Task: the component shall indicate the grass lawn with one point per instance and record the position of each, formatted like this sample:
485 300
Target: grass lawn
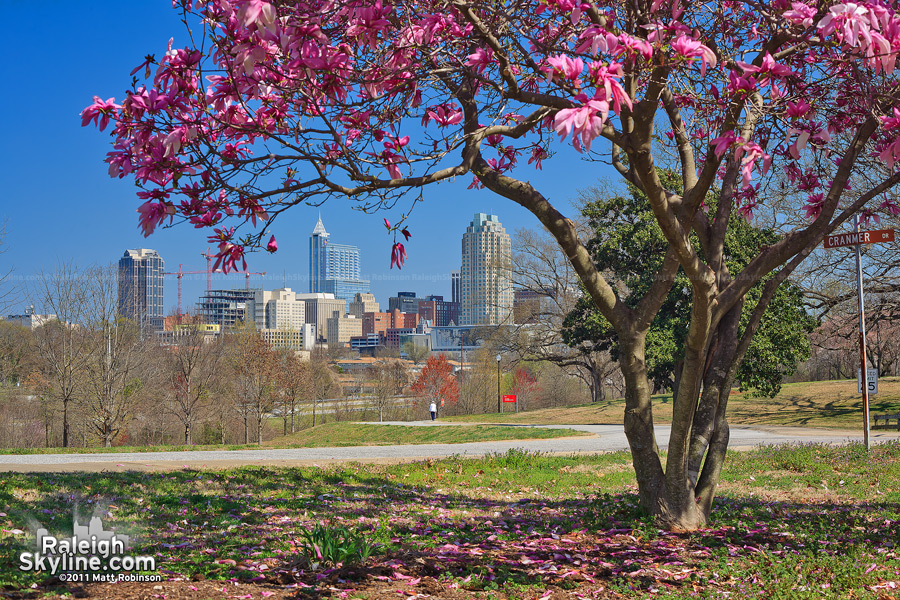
336 434
790 522
827 404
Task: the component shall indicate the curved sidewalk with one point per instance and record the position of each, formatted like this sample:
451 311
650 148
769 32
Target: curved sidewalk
606 438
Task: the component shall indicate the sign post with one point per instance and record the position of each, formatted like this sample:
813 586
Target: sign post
862 333
856 239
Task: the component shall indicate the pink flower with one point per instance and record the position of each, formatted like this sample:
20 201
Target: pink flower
584 122
257 10
398 255
406 233
101 110
850 21
691 50
153 213
272 246
480 59
800 15
798 110
387 224
538 154
443 115
607 77
596 38
723 143
751 152
561 66
768 68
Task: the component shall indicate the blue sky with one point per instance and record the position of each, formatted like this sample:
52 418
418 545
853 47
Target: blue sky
59 203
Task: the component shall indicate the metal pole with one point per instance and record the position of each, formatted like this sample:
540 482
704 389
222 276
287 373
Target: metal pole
862 338
499 398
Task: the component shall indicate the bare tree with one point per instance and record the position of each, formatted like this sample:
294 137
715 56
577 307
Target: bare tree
540 269
111 377
254 371
294 385
191 366
383 375
17 353
63 344
323 381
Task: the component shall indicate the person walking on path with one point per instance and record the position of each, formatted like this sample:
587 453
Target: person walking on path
432 408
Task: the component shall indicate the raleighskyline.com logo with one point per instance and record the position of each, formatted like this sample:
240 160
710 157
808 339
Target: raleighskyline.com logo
91 554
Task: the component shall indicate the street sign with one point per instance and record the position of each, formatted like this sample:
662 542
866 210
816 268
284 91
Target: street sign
871 381
876 236
509 397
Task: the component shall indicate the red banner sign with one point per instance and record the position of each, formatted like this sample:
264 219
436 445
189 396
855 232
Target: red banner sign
509 397
863 237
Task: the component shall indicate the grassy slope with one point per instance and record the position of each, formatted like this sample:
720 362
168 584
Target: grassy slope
827 404
345 434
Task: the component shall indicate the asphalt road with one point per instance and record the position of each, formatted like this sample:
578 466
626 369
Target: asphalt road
606 438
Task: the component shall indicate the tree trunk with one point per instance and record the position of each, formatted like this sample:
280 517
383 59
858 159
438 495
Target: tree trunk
598 392
259 420
187 434
639 422
65 422
246 430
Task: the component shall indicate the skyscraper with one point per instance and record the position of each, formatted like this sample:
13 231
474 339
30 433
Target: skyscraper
486 291
141 285
333 268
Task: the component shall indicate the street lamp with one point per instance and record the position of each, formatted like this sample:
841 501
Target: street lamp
499 399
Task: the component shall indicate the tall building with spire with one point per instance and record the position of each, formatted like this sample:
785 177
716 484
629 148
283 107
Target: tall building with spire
141 285
485 280
333 268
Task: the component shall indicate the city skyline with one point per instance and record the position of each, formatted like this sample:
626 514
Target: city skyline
82 215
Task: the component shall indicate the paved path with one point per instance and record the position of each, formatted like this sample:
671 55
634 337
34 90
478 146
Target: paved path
606 438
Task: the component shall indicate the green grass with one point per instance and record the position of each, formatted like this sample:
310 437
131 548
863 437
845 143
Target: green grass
825 404
806 521
337 434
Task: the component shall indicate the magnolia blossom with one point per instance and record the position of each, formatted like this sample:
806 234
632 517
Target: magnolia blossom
398 255
99 112
584 122
692 50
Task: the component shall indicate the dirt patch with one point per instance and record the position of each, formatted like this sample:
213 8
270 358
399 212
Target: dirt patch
370 589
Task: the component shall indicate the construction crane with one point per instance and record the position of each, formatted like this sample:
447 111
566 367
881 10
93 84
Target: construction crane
247 275
178 274
209 271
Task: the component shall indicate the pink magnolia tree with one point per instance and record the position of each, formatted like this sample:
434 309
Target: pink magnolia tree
771 107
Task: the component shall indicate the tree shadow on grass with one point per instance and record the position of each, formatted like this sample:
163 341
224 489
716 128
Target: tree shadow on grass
247 523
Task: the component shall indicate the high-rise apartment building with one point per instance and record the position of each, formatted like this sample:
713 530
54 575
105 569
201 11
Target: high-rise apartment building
486 291
141 287
333 268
